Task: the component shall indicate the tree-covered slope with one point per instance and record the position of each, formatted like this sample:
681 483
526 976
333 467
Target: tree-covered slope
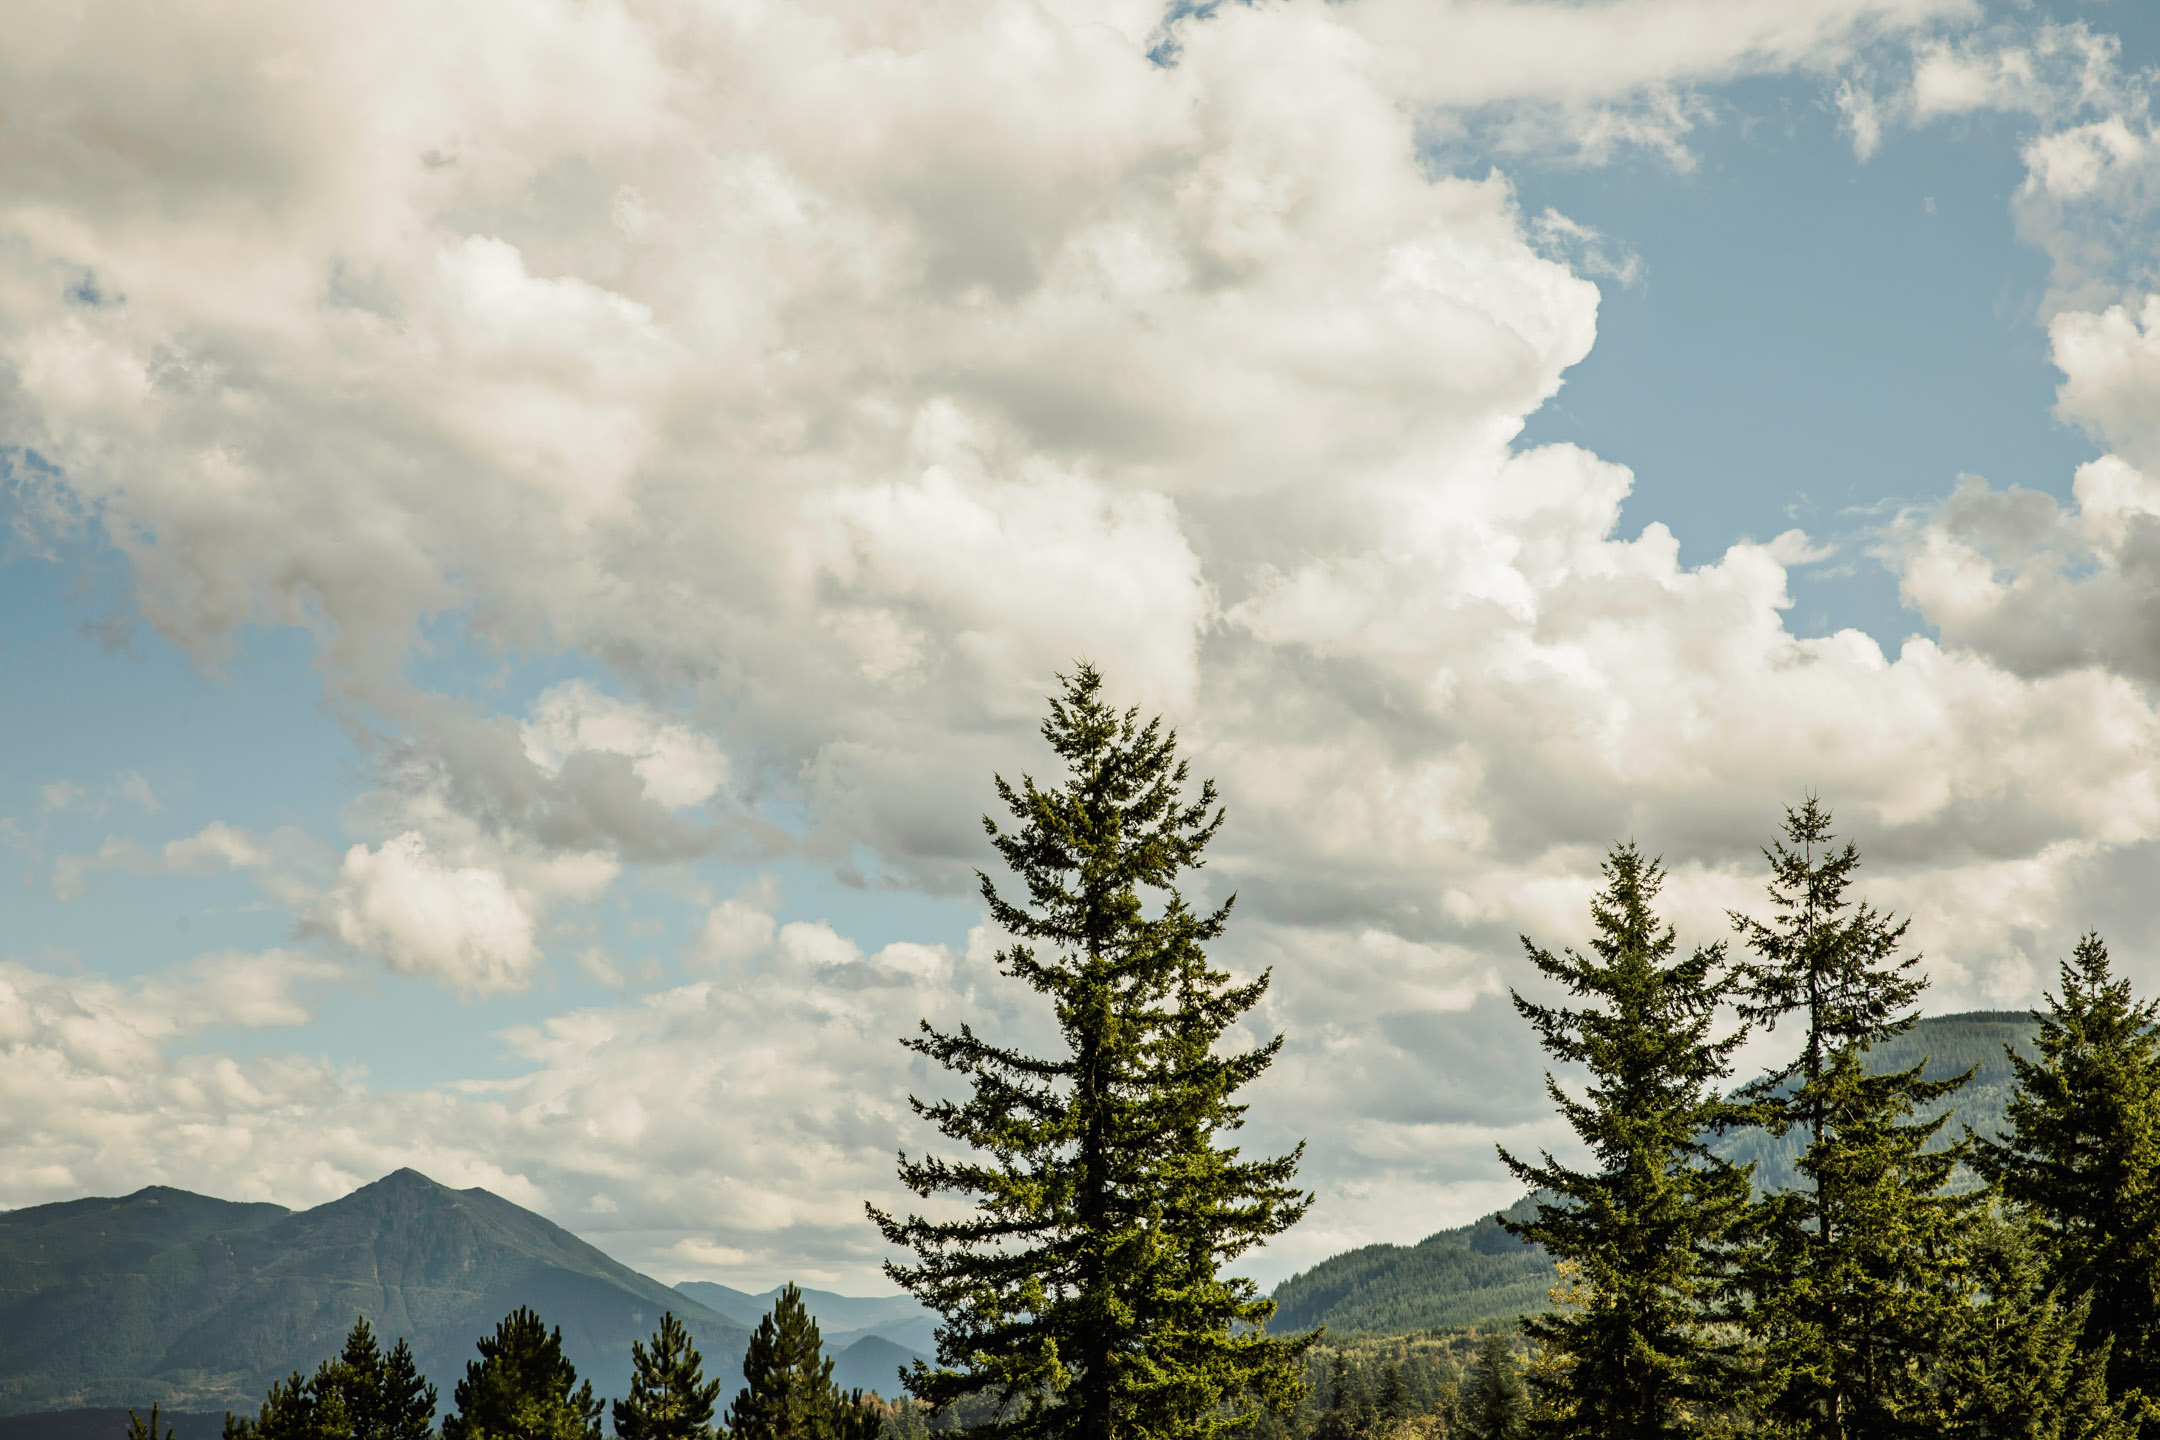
1477 1274
1948 1045
1480 1275
163 1295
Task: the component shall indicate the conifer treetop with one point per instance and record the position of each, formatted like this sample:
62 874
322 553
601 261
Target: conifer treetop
1119 823
670 1398
1830 959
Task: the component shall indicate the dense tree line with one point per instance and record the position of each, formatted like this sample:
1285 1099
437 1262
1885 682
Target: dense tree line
1910 1283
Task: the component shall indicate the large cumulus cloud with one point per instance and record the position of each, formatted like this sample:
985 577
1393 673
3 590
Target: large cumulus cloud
825 377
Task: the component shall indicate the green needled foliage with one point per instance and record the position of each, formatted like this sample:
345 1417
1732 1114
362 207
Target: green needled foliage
788 1389
2083 1159
1495 1404
670 1398
2015 1365
1639 1357
1084 1294
523 1388
364 1394
1857 1277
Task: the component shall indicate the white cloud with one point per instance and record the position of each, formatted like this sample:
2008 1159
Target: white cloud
738 1122
460 925
2041 589
677 765
215 847
735 931
831 377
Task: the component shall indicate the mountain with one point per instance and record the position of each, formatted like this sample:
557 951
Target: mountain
1948 1045
873 1363
200 1303
868 1338
1479 1275
841 1318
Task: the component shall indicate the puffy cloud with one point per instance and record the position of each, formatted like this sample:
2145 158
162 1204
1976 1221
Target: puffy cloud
462 925
735 931
2038 588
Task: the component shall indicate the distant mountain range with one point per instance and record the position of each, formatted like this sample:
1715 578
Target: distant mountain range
200 1304
1480 1275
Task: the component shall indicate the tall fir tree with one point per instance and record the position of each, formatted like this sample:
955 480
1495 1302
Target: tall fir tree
670 1398
2081 1157
1085 1291
523 1388
363 1394
1856 1278
1641 1356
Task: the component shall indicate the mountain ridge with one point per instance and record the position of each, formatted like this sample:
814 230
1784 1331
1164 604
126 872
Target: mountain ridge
200 1303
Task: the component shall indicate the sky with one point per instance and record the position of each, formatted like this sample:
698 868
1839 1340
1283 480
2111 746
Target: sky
527 530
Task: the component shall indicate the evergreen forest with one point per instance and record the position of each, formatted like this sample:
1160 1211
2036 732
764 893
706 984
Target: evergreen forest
1815 1252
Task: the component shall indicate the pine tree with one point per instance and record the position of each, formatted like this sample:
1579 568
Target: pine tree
1640 1358
1494 1403
1857 1277
523 1388
1085 1292
361 1395
2016 1364
788 1391
670 1398
2082 1157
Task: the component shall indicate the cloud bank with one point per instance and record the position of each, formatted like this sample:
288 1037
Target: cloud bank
827 377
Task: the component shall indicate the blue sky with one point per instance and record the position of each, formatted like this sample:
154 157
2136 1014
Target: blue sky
510 610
